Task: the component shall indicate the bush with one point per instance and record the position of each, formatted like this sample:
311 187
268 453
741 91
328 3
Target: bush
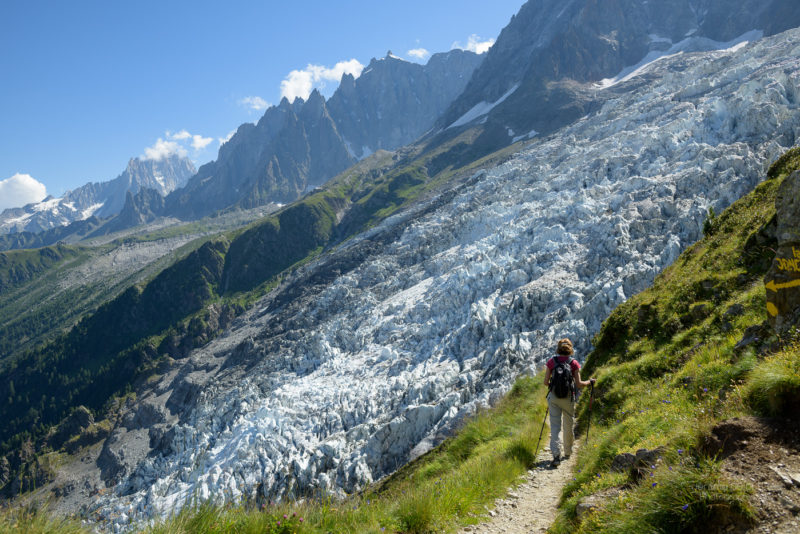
688 499
709 223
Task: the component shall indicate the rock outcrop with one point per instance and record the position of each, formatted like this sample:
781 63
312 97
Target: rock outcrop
394 101
783 279
298 145
544 69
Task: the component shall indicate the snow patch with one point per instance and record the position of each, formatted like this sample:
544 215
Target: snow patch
482 108
349 148
47 205
691 44
529 135
91 210
160 180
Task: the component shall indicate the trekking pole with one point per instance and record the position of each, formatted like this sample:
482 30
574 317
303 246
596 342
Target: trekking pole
542 430
589 423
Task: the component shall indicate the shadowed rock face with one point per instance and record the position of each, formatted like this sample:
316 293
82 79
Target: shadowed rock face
783 278
296 146
293 146
551 43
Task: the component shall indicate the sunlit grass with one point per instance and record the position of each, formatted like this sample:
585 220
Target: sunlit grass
774 386
37 521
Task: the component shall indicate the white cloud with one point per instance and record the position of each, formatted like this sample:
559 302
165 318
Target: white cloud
419 53
475 44
299 83
163 149
223 140
19 190
255 103
199 142
183 134
176 144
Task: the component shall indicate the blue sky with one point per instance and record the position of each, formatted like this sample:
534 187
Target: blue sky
88 85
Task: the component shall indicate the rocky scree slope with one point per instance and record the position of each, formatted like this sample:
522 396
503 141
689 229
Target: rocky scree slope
542 71
367 356
101 200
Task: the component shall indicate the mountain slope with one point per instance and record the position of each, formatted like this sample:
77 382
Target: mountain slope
436 309
101 200
540 74
394 101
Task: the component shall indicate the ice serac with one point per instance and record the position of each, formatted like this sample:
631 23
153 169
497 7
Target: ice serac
554 50
372 353
102 199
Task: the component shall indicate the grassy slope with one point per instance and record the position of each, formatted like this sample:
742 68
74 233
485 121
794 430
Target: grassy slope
668 371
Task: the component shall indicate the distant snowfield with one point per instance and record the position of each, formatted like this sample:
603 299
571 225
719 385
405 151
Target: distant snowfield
476 289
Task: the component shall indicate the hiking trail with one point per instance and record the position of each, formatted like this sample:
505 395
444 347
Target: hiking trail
532 506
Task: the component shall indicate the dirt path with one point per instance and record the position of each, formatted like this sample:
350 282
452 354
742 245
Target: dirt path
531 507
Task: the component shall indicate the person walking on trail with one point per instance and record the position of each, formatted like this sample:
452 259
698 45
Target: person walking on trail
563 378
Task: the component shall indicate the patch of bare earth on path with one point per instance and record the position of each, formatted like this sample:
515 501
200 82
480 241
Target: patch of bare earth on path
532 506
765 455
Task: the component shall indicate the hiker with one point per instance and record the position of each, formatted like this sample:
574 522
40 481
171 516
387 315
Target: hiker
562 378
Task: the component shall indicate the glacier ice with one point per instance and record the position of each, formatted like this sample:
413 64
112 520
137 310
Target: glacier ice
457 296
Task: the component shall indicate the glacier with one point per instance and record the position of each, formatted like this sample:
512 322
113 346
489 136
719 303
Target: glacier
373 353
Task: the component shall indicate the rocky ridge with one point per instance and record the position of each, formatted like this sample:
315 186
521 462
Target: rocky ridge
299 145
545 61
435 311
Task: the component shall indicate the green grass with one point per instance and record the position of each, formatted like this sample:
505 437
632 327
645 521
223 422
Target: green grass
685 498
773 387
37 521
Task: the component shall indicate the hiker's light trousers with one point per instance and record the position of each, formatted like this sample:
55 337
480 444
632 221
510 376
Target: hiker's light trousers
561 410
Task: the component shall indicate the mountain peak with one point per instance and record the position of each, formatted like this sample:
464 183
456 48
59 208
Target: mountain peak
348 82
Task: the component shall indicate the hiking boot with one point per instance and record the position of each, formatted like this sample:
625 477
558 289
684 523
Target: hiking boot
556 461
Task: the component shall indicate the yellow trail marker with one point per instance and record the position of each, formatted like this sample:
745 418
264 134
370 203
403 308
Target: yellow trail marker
772 286
772 309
